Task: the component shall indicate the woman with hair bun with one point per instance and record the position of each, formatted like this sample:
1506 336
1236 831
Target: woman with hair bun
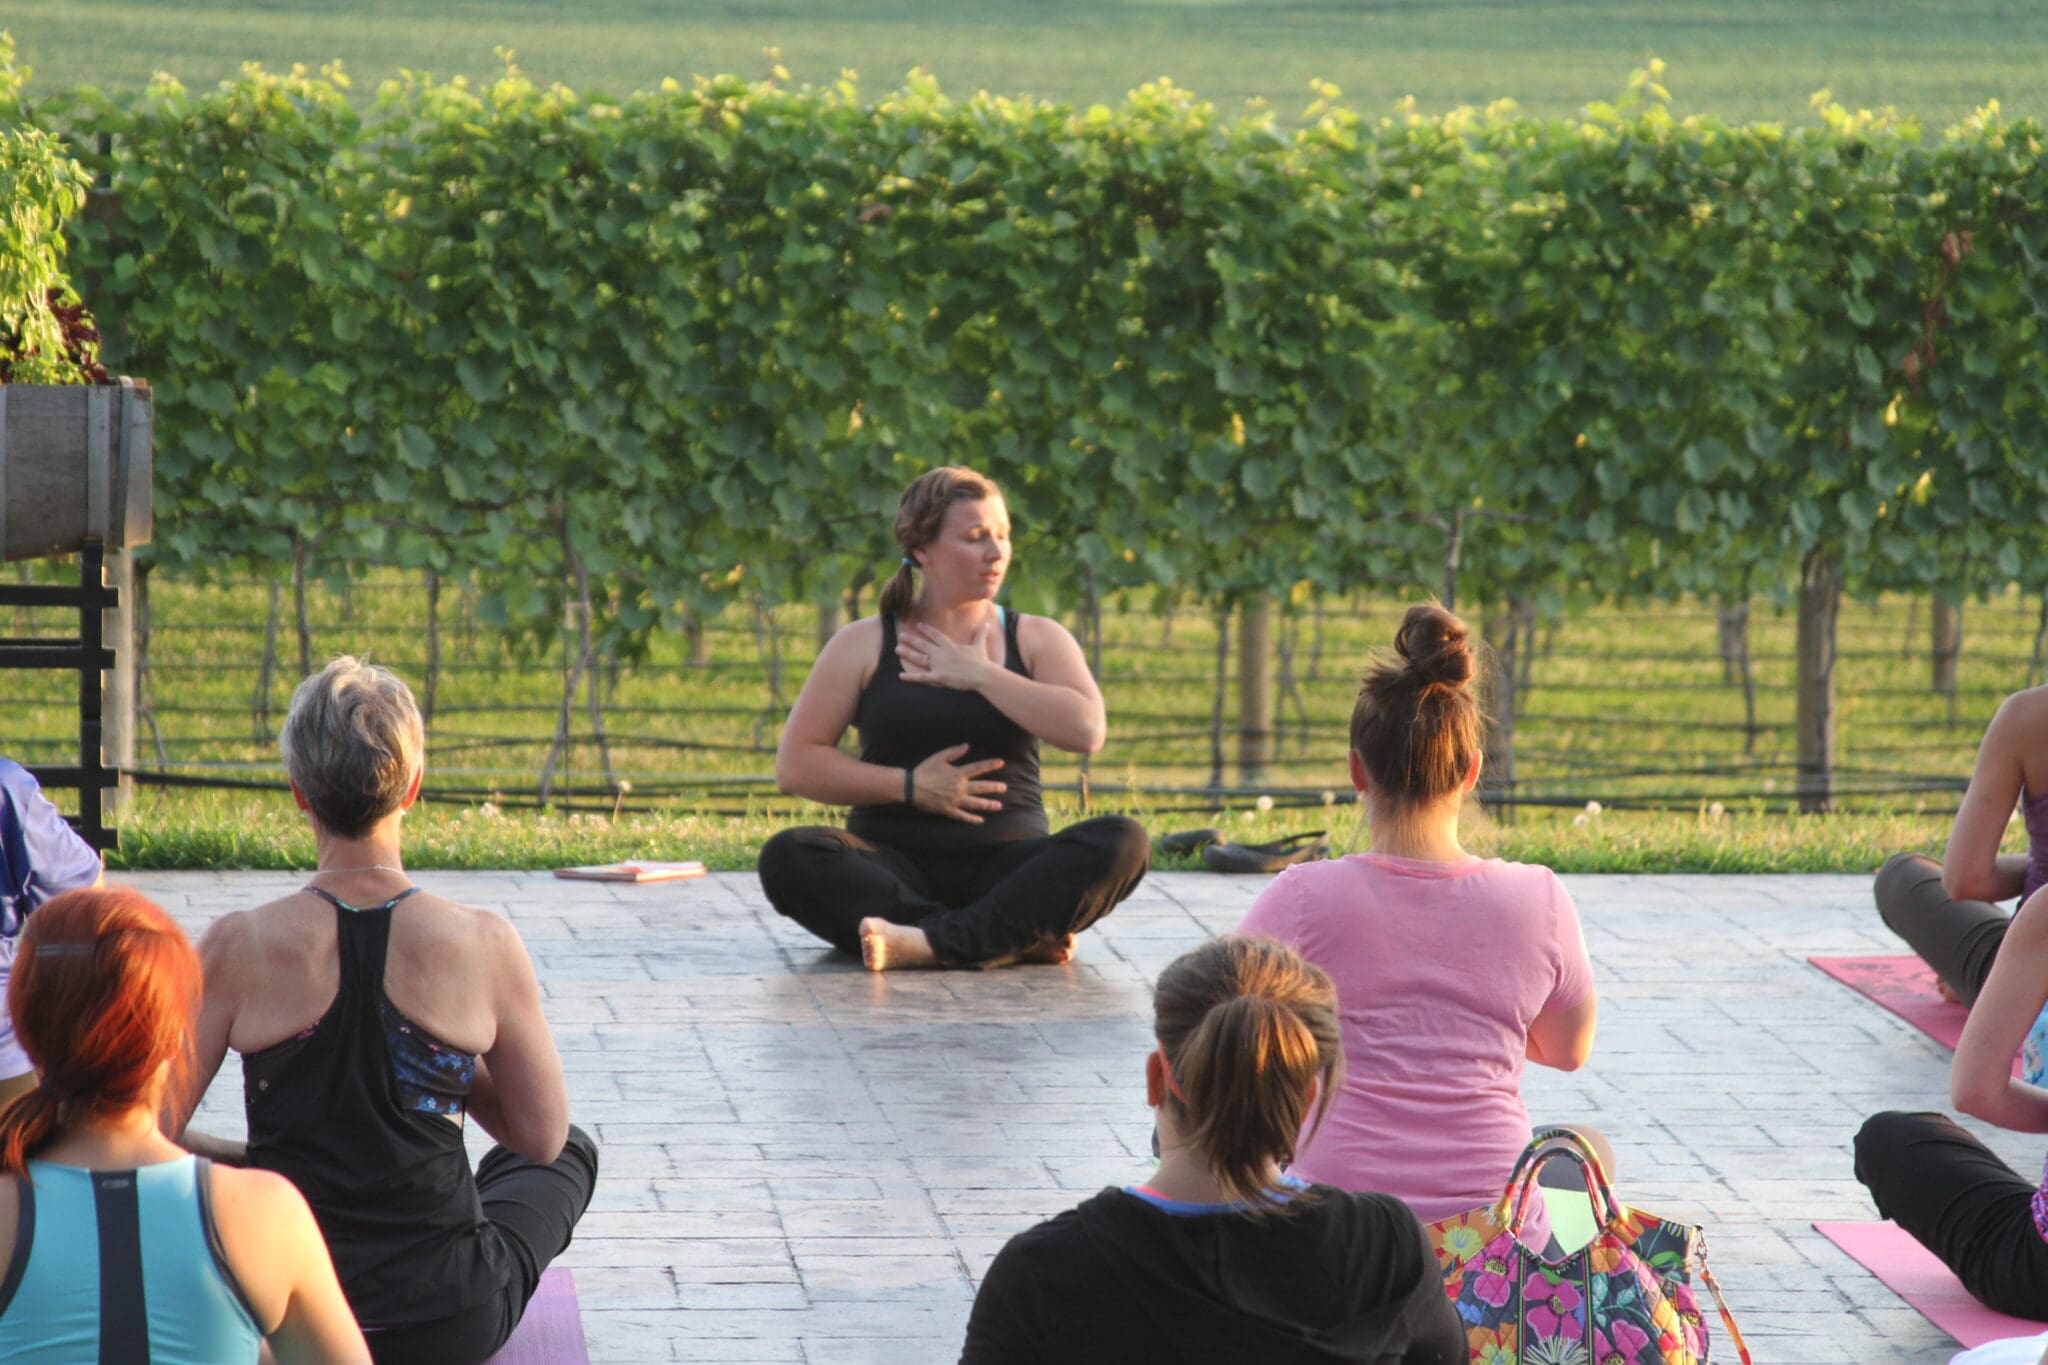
1451 970
116 1243
1221 1256
946 859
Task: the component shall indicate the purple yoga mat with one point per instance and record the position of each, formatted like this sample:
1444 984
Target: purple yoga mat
551 1333
1911 1271
1905 986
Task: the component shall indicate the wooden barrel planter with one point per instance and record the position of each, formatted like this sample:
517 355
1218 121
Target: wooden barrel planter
75 468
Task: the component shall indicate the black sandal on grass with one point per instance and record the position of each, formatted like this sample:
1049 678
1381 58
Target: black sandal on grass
1188 840
1300 848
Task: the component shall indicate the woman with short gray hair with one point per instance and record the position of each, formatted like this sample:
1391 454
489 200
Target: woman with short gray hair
373 1017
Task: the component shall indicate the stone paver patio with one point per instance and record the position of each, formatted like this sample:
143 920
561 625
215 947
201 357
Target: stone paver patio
804 1162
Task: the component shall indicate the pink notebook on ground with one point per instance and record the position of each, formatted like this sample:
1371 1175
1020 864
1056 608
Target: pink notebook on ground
632 872
1911 1271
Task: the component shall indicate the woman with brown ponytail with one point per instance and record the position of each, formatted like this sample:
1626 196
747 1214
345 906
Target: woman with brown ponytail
117 1244
1451 970
946 859
1222 1257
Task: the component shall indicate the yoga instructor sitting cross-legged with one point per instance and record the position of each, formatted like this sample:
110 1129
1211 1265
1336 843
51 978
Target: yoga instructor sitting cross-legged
946 858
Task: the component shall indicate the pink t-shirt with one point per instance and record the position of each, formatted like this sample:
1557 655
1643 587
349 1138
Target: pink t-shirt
1439 969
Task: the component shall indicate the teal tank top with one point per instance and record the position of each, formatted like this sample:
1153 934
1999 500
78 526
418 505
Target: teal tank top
121 1268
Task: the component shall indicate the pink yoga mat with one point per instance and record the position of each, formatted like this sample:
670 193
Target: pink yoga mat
551 1333
1905 986
1910 1270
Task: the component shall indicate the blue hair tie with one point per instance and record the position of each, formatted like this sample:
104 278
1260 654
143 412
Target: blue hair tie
909 563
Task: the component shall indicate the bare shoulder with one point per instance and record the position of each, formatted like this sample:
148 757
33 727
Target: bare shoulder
1041 637
2028 708
226 944
855 646
866 633
472 932
453 922
257 1197
227 935
274 933
1041 629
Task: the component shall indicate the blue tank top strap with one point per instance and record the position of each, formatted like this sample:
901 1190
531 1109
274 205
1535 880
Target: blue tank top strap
24 1237
1013 652
202 1183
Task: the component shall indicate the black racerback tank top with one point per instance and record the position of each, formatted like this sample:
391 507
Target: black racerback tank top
358 1111
902 724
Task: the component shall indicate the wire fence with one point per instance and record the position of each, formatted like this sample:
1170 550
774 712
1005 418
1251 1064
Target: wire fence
1636 708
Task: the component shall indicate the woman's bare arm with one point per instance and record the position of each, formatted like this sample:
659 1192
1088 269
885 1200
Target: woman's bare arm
275 1249
524 1101
808 759
1972 868
221 949
1981 1082
1563 1039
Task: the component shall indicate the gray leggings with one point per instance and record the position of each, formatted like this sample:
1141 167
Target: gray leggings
1958 939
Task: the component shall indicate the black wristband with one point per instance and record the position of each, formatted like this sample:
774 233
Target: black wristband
910 786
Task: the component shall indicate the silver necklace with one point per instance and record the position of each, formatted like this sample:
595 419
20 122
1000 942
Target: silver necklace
373 867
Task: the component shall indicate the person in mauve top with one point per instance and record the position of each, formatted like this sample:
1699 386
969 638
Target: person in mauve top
1925 1172
1452 971
40 856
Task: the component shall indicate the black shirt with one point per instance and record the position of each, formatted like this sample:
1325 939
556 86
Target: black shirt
902 724
1340 1277
359 1112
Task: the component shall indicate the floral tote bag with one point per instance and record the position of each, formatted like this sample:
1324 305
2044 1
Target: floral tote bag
1626 1298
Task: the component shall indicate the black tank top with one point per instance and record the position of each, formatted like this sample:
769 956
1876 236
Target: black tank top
902 724
362 1112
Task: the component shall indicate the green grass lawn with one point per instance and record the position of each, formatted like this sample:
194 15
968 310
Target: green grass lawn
238 830
1741 59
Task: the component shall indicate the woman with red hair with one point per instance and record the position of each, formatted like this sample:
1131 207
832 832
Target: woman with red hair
117 1244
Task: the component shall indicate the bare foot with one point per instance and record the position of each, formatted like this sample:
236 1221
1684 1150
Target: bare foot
1055 952
886 947
1946 993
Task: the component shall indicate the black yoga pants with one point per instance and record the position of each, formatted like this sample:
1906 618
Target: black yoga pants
1960 1202
976 905
533 1209
1958 939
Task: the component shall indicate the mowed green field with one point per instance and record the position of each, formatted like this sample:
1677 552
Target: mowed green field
1625 705
1739 59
